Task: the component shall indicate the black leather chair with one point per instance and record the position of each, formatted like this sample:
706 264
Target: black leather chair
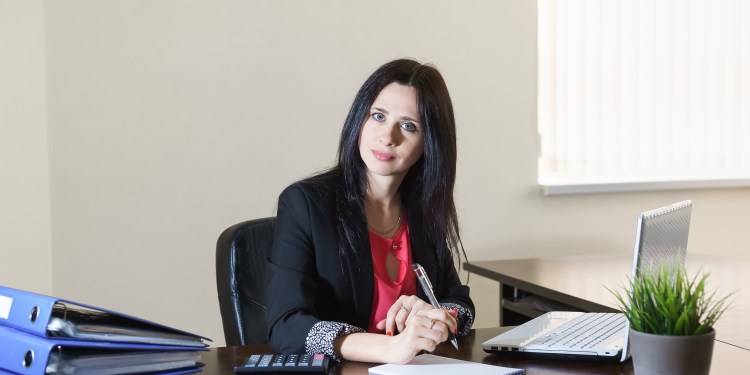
241 254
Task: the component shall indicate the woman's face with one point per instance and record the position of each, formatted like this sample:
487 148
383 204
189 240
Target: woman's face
391 140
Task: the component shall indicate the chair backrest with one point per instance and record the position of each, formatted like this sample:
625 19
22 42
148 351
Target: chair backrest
241 255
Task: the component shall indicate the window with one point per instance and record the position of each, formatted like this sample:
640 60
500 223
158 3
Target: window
646 94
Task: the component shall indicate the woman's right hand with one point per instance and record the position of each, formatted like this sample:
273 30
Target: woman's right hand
423 331
407 307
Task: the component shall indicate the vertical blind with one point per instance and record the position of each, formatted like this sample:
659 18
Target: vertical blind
643 90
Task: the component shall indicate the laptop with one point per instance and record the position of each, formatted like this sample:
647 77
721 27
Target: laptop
661 238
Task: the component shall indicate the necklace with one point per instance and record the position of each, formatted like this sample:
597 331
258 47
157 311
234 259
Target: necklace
398 221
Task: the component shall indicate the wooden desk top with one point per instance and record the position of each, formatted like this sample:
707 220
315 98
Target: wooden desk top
727 359
583 281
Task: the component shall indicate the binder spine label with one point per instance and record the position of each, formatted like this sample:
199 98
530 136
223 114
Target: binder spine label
5 303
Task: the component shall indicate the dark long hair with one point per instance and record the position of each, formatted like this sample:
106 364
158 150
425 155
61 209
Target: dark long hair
430 180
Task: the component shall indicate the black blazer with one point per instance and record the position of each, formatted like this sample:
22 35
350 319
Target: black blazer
308 282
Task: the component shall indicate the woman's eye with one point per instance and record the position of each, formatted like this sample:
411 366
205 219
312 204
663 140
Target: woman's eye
378 116
409 126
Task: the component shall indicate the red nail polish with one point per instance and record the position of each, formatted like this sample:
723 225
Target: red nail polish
455 331
389 334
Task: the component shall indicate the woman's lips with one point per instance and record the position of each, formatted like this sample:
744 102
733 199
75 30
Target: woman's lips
382 156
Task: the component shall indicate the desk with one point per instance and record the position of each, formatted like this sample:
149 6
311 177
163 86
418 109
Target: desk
727 359
578 283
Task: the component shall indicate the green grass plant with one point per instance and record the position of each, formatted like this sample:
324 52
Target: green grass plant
668 302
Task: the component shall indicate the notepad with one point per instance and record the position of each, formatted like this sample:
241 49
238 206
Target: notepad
435 365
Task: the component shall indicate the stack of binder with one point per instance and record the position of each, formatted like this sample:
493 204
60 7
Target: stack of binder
46 335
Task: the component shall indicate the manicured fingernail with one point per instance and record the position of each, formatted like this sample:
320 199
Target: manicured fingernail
453 312
389 333
455 331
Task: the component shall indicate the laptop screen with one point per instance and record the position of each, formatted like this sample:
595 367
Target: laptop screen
662 237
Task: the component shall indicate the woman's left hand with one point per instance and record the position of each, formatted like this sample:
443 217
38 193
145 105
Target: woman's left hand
407 307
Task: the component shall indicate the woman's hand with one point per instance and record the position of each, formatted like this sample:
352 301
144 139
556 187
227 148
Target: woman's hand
424 327
401 310
421 327
406 307
423 331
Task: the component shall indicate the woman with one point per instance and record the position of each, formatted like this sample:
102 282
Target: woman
340 270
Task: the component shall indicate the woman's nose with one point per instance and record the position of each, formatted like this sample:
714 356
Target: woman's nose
389 135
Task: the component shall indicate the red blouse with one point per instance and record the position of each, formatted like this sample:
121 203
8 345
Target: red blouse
386 290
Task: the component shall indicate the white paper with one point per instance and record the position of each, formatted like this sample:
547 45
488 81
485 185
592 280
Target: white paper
435 365
5 303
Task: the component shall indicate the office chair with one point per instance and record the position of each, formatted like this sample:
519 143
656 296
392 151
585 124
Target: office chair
242 251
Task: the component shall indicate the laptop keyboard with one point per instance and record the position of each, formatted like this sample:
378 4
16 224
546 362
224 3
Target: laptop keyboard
585 331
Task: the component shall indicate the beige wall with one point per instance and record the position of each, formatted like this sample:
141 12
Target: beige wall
171 120
25 250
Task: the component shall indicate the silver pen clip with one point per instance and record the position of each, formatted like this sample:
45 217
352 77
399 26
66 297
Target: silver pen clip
421 275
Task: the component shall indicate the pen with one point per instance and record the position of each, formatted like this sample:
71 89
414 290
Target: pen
424 281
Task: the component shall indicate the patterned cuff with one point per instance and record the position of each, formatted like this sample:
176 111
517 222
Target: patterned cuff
465 318
323 333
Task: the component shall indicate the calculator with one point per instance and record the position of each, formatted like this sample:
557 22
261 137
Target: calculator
286 363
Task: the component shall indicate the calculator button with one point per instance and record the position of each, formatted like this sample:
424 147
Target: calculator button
291 360
265 360
317 360
304 360
253 360
279 360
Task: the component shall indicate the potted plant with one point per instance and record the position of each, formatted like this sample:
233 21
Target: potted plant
671 319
